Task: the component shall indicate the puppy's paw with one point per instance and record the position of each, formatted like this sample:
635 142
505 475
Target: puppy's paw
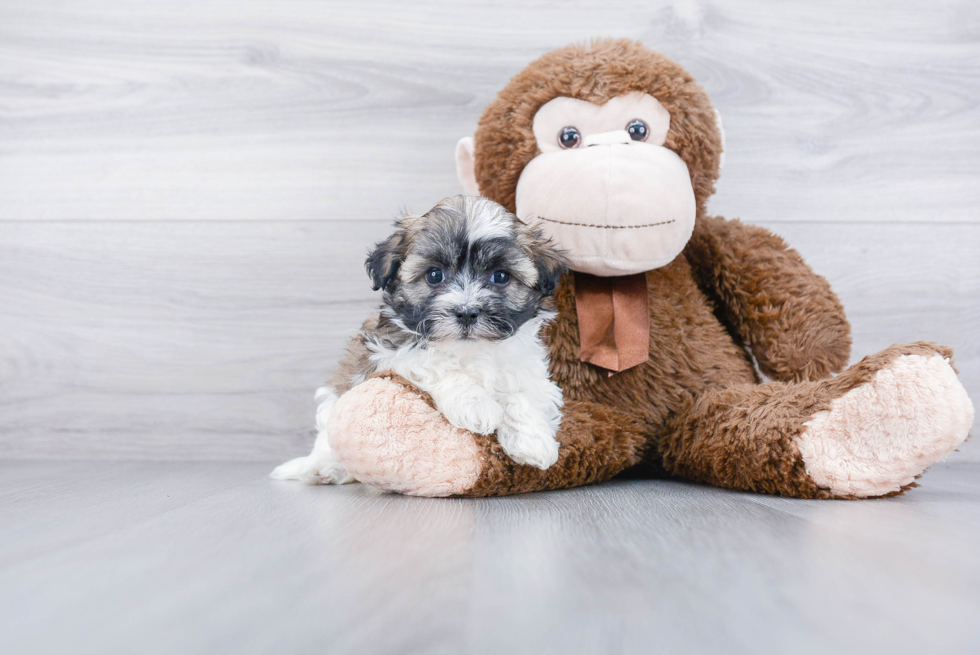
534 445
476 412
326 471
313 469
291 470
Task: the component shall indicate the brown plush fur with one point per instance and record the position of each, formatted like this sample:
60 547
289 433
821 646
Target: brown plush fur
743 437
696 405
696 408
597 442
789 317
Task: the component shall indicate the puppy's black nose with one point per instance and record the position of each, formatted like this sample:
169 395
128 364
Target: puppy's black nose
467 315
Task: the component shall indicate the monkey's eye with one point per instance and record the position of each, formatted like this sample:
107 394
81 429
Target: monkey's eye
434 276
500 278
638 130
569 137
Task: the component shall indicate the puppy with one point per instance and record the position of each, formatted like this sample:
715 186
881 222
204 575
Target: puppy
465 291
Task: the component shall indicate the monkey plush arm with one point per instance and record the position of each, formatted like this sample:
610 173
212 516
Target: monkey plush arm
787 314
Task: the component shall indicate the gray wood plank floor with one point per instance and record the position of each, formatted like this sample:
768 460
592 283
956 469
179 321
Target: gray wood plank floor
158 557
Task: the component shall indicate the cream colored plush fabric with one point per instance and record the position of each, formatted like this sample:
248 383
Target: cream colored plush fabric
592 120
594 202
878 437
617 206
388 437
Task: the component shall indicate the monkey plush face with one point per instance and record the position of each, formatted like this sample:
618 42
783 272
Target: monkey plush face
604 186
610 148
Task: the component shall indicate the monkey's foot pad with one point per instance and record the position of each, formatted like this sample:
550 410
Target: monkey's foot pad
388 436
878 437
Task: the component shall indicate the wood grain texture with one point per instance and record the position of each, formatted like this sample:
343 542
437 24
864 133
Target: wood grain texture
205 340
236 563
240 109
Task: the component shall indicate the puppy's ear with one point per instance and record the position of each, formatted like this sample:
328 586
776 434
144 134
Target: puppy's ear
551 266
383 262
547 258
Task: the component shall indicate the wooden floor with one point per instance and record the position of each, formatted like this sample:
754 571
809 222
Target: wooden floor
178 557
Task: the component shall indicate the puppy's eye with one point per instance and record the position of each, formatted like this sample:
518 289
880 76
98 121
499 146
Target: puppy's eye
434 276
638 130
569 137
500 278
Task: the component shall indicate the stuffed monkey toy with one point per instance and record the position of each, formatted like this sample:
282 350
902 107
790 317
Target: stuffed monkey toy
667 315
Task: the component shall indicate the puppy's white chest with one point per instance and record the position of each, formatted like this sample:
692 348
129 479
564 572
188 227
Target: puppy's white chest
489 388
431 369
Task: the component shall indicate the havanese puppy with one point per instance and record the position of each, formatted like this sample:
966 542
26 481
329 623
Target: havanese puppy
465 292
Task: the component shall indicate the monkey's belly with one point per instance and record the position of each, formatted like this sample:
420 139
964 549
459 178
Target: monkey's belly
690 351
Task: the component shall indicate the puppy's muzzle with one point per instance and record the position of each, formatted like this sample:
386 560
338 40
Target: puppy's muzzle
466 316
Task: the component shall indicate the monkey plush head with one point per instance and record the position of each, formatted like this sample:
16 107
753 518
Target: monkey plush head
611 148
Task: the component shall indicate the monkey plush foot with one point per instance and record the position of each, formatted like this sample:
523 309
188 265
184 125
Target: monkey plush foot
869 431
879 436
388 435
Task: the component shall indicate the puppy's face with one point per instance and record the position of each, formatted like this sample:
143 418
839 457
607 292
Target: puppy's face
467 269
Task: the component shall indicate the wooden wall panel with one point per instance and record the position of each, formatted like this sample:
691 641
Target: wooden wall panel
205 340
187 189
243 109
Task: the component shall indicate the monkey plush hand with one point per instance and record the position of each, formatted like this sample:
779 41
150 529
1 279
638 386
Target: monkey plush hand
613 150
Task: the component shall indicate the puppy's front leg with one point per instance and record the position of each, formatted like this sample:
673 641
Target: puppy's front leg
466 404
320 466
531 421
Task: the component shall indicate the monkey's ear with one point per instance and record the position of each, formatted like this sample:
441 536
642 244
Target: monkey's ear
466 166
551 266
383 262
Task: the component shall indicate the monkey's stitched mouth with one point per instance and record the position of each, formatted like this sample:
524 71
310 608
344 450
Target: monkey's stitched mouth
607 227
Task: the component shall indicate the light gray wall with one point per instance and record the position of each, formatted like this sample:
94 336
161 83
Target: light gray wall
187 189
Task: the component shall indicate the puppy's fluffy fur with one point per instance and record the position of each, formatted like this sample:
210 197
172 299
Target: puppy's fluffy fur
466 289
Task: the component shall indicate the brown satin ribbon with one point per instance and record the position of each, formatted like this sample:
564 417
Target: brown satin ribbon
613 320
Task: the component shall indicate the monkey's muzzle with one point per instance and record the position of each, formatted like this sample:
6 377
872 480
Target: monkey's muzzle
615 208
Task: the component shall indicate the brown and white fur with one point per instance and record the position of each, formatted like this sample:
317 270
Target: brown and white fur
466 290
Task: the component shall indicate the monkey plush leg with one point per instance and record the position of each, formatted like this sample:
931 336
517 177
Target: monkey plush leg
389 434
870 431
